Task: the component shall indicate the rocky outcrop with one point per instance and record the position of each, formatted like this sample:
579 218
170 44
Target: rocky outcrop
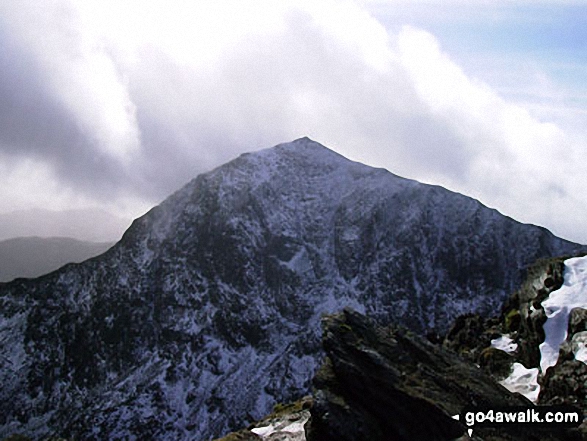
390 384
544 277
565 383
522 318
577 321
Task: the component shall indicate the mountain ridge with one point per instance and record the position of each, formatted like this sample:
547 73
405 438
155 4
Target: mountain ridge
207 311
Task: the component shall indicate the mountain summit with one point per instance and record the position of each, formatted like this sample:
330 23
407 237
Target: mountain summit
207 311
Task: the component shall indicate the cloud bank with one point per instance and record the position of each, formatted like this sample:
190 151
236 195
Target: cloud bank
117 105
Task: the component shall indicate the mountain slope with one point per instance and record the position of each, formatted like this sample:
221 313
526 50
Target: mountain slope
207 311
35 256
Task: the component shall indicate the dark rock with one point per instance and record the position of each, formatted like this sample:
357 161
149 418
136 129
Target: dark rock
496 362
577 321
565 383
390 384
523 314
469 335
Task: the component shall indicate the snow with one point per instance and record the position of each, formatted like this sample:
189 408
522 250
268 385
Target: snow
523 381
504 343
286 425
558 306
579 346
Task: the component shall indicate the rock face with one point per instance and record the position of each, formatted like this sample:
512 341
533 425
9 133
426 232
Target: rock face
207 311
566 382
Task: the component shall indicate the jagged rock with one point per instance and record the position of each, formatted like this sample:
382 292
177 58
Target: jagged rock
522 316
577 321
543 277
565 383
371 374
470 334
390 384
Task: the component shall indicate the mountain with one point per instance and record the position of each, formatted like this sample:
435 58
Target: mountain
91 225
207 311
35 256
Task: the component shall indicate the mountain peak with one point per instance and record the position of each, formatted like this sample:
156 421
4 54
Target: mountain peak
304 141
303 148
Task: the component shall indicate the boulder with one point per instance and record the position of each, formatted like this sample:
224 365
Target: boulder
565 383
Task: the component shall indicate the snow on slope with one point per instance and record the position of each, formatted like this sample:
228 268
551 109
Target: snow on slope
504 343
558 306
523 381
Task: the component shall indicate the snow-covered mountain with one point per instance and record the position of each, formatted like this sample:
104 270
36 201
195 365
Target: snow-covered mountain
207 311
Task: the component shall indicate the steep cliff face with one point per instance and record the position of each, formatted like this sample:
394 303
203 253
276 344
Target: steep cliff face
207 311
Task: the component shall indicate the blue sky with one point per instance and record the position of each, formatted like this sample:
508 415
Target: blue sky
499 42
114 105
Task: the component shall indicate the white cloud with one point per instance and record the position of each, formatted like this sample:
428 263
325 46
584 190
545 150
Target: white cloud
525 167
78 72
168 90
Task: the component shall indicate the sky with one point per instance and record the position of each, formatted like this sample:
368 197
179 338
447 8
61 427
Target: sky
114 105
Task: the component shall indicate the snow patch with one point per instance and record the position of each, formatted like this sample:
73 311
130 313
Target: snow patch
504 343
523 381
558 306
288 425
579 346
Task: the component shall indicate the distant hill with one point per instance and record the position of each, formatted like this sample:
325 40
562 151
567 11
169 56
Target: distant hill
86 225
35 256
